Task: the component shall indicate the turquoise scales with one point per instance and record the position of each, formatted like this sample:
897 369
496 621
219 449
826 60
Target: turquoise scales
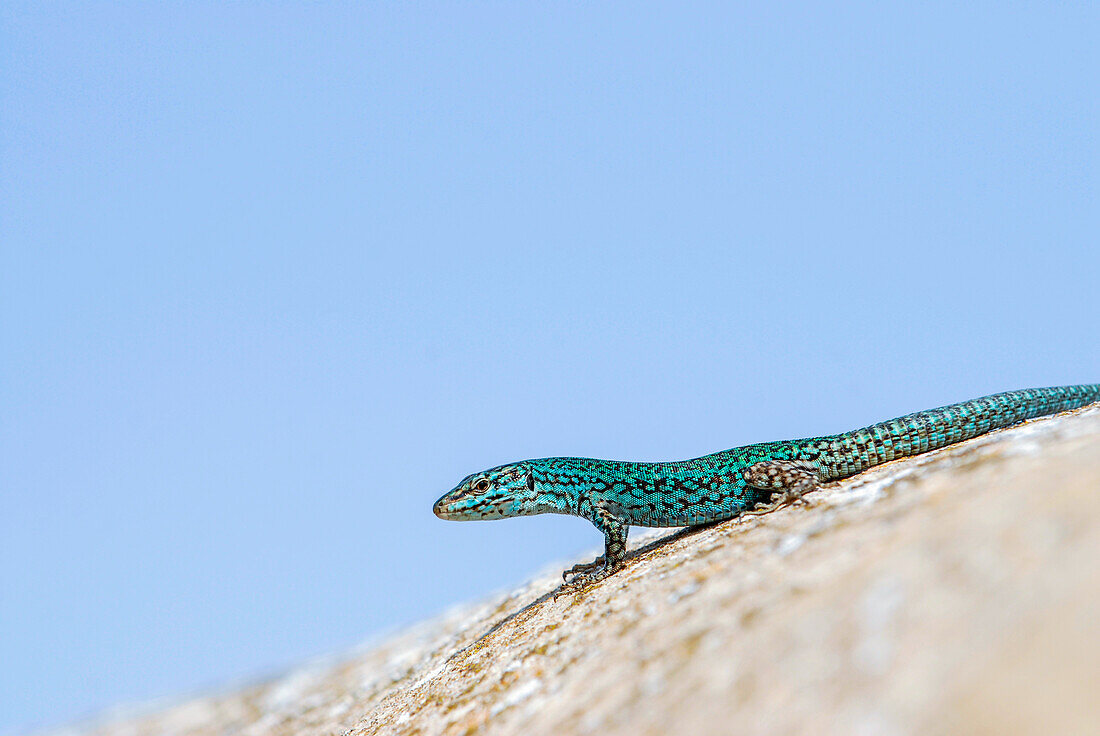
614 495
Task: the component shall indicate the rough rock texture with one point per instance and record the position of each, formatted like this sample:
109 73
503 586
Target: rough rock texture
958 592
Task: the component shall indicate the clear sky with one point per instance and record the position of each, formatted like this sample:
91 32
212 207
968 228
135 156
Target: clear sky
274 278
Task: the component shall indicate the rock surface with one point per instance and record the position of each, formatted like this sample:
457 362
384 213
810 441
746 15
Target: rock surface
957 592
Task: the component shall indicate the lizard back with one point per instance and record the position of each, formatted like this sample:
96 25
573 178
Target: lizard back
713 487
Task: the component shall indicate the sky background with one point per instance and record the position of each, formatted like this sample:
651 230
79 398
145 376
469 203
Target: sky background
274 278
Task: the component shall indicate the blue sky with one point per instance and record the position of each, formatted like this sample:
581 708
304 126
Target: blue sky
272 279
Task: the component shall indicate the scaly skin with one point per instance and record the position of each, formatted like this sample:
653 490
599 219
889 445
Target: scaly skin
615 495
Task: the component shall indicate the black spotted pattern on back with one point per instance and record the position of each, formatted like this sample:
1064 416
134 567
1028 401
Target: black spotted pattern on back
713 487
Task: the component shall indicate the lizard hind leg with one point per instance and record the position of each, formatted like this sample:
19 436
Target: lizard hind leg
789 479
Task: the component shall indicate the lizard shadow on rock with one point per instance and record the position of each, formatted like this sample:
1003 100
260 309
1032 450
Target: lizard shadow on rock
645 549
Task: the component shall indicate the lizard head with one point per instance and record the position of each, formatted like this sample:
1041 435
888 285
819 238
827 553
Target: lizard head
496 493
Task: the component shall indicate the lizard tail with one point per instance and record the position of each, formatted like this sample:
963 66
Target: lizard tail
928 430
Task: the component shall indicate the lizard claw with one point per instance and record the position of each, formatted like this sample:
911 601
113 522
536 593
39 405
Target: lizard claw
583 569
581 579
777 501
762 508
587 572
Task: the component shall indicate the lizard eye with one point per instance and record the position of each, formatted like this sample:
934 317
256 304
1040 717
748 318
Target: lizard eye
482 484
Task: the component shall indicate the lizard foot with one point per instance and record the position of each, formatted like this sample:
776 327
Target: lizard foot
586 572
583 568
582 579
777 501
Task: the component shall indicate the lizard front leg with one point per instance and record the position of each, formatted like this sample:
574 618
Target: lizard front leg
614 533
791 479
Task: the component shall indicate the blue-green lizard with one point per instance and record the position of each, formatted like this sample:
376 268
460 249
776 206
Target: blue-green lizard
615 495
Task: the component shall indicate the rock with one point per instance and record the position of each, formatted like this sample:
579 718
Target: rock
957 592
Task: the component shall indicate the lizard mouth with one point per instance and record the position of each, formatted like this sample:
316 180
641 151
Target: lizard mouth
445 508
449 508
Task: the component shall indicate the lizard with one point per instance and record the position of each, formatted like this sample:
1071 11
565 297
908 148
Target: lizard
749 480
